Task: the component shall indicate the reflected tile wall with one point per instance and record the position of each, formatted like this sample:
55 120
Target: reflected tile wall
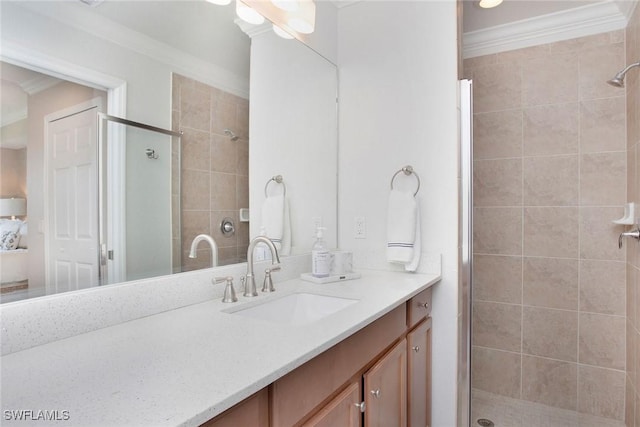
632 266
551 172
214 169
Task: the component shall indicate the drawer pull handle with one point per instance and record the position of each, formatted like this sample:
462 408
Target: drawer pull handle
424 305
361 406
375 393
415 348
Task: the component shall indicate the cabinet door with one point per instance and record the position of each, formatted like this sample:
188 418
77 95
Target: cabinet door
419 375
254 412
385 389
342 411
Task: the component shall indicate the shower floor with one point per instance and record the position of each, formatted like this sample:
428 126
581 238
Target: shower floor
507 412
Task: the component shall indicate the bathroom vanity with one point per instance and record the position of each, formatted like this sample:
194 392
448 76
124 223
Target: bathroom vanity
211 364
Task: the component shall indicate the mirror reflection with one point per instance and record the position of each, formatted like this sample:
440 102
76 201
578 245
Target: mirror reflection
140 61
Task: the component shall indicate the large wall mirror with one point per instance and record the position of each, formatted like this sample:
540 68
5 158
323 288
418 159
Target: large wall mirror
249 105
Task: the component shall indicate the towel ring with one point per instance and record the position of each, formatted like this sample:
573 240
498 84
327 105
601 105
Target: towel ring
408 170
277 179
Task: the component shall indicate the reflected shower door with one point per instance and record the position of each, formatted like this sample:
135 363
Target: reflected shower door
140 200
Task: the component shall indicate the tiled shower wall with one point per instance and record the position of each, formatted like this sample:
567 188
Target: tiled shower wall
632 416
550 176
215 169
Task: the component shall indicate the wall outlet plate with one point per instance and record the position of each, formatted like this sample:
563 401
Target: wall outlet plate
360 227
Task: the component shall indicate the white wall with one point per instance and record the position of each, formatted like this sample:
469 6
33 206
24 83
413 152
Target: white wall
295 135
398 92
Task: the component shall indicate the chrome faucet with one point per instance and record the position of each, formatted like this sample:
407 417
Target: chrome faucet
250 284
214 248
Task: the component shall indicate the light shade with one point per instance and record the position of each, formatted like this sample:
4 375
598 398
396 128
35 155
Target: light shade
13 207
247 14
288 5
303 20
220 2
488 4
282 33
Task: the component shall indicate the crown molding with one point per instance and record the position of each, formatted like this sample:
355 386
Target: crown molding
181 62
572 23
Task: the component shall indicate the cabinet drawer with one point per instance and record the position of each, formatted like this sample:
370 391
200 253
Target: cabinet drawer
418 307
298 393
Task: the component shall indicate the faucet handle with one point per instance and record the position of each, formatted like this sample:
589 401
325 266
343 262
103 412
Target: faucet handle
229 292
217 280
267 285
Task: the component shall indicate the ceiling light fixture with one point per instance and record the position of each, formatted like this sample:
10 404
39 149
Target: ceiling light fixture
282 32
303 20
488 4
248 14
288 5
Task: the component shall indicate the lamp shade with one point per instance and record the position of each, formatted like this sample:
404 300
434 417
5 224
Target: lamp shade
13 207
303 19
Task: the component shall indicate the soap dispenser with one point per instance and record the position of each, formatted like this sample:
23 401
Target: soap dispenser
320 256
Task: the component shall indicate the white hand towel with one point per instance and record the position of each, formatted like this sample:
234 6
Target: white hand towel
403 230
286 230
273 219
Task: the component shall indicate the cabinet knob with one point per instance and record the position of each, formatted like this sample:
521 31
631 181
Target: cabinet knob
375 393
361 406
424 305
415 348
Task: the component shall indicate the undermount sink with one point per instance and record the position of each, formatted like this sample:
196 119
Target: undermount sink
296 308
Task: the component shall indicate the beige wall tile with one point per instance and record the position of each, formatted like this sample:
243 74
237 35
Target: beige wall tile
497 182
517 56
497 278
629 405
196 150
636 341
224 154
480 61
551 129
195 107
551 232
598 236
632 177
196 187
550 382
223 191
497 325
242 167
194 223
602 287
497 231
550 333
496 88
581 43
595 68
601 341
242 184
224 115
633 299
603 179
497 134
496 371
551 181
601 392
550 79
630 350
551 283
602 125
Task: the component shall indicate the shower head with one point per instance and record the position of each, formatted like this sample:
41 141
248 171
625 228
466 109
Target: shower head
618 79
231 135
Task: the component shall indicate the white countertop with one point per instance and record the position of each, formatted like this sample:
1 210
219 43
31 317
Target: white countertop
185 366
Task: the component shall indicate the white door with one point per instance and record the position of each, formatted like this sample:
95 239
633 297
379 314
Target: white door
72 205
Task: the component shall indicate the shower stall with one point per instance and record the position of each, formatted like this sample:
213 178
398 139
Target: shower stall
553 328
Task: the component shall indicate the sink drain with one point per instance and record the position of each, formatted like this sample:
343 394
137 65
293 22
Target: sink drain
483 422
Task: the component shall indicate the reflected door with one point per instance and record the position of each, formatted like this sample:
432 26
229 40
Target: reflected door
72 248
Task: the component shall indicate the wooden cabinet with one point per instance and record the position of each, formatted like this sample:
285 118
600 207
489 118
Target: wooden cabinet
343 410
378 377
385 390
419 375
253 411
